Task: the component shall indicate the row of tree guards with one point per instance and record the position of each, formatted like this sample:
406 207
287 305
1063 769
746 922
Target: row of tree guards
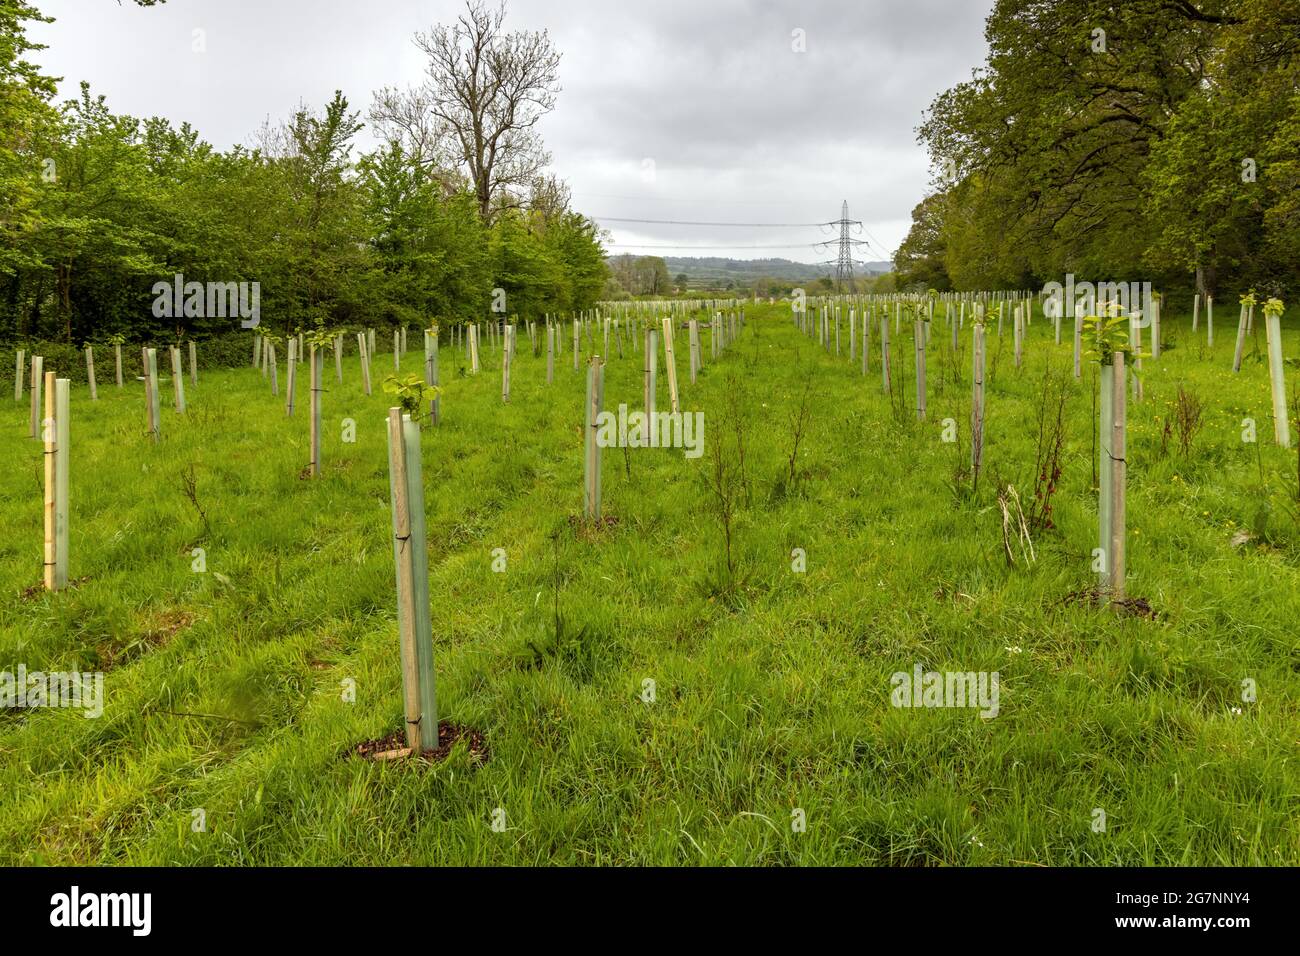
634 328
406 487
877 311
631 332
149 371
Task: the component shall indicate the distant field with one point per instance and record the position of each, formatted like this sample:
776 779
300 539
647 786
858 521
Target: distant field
224 688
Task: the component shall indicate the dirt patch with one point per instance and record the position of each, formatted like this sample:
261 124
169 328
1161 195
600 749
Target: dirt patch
158 629
393 747
592 529
1096 598
37 589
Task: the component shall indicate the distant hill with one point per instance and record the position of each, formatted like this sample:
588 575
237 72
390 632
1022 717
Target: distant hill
698 270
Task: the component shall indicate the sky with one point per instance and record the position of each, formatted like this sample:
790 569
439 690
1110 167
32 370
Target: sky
742 112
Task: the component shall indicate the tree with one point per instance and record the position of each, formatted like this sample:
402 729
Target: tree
919 260
322 214
1098 139
484 93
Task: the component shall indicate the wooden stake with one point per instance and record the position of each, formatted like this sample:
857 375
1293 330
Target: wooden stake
21 366
670 362
194 363
117 356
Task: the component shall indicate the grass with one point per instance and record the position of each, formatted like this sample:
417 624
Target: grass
224 688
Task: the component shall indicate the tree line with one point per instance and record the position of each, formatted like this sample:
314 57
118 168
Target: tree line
452 215
1153 139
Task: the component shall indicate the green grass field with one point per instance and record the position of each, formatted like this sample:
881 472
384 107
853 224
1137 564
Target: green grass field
225 688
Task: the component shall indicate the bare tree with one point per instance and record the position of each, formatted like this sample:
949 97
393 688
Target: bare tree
550 197
484 93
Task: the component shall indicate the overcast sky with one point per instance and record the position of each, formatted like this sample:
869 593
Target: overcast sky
697 110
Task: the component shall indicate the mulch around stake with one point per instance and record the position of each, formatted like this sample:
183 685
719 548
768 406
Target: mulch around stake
1095 597
589 529
393 747
37 589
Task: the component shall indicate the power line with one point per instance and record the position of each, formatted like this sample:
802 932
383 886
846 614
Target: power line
643 245
711 201
745 225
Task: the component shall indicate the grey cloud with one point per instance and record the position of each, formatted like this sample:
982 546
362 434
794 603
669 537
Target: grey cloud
740 127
